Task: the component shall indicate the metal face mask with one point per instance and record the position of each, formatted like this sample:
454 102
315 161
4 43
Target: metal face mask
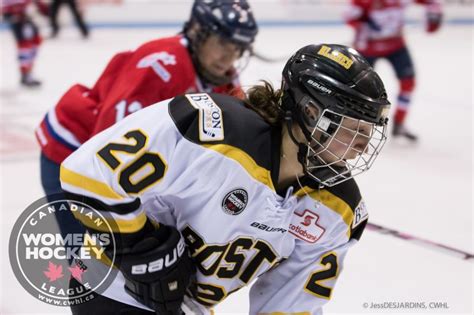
340 147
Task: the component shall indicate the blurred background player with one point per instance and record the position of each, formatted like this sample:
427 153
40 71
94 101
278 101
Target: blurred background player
378 28
76 12
200 59
26 33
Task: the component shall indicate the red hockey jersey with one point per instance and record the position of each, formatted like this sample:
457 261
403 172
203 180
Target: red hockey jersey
379 24
18 7
132 80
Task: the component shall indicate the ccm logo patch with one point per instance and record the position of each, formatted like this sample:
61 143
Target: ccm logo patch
360 214
235 201
305 226
211 126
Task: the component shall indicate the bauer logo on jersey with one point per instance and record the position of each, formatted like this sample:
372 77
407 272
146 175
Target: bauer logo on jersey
360 214
305 226
235 201
211 126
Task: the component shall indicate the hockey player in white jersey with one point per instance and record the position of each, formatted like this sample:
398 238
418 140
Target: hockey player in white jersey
261 189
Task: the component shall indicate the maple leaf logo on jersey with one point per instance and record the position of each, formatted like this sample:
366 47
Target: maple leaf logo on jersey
54 272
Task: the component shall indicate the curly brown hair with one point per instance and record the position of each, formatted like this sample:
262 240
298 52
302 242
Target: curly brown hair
265 100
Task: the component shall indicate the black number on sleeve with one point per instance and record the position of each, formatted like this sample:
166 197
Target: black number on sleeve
148 159
314 285
142 172
107 152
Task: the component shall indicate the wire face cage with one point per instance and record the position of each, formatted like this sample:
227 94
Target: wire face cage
342 147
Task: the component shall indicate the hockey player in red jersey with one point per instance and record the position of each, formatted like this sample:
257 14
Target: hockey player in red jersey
378 28
200 59
27 36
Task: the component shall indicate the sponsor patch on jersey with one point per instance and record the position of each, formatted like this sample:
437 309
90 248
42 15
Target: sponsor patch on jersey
235 201
211 125
360 214
336 56
305 226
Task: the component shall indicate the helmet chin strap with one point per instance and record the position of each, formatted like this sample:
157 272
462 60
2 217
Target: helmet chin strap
289 104
302 148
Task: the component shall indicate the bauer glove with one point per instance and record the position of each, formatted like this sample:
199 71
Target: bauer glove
158 270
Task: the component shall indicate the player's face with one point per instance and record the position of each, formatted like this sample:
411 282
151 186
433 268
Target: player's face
218 55
350 140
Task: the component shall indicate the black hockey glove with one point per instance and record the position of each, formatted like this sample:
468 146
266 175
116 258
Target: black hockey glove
158 270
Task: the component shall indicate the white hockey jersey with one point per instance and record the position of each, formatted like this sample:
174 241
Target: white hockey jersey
209 166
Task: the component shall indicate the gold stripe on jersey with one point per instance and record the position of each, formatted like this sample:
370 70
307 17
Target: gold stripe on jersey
117 226
332 201
83 182
259 173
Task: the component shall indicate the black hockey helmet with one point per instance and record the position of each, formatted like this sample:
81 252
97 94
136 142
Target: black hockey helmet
232 20
323 86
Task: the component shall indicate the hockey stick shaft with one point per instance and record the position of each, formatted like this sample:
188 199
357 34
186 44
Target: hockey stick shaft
420 241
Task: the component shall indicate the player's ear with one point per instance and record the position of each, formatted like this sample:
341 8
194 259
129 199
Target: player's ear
311 110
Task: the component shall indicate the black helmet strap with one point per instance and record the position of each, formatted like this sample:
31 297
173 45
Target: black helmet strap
302 148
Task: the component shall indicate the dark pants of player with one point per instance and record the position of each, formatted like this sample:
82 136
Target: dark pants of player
27 39
19 24
54 9
401 62
52 187
105 306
